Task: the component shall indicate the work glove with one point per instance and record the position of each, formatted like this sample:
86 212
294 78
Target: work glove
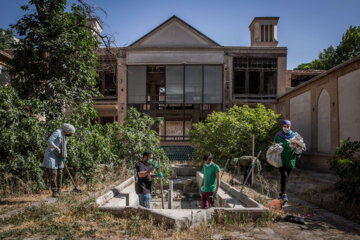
215 196
152 167
63 160
200 193
159 174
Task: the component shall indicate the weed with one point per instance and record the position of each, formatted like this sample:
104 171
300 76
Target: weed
228 219
266 218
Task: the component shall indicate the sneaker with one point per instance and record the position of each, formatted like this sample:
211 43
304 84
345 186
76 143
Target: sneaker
55 194
284 198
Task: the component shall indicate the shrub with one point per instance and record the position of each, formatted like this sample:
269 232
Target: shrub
345 166
23 140
229 134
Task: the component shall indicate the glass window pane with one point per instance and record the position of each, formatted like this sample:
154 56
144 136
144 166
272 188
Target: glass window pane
136 84
174 84
239 86
193 84
212 83
269 82
254 82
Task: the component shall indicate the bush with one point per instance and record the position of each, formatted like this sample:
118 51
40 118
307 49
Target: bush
229 134
23 140
345 166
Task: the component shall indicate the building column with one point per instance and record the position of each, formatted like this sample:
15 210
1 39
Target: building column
121 85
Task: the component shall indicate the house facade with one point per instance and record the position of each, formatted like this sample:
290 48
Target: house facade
178 73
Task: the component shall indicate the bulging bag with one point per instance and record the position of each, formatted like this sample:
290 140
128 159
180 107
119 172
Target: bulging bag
273 155
297 144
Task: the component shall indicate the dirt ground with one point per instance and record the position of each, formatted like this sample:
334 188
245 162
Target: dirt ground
305 188
72 218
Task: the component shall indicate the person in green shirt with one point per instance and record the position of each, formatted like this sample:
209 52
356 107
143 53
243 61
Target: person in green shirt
210 183
288 157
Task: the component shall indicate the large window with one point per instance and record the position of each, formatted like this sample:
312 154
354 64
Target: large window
136 84
193 83
213 84
254 78
175 84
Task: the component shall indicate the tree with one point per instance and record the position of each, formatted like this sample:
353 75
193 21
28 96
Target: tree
229 134
54 61
348 48
6 39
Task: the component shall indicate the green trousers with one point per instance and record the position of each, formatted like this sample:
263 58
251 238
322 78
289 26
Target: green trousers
56 176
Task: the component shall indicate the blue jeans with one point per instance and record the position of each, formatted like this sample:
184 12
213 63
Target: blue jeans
144 199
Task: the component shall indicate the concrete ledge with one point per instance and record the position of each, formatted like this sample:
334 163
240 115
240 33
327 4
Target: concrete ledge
171 218
242 202
115 191
183 171
238 215
122 201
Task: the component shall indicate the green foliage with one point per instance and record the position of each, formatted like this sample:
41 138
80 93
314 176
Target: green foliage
23 140
21 137
6 39
53 69
345 166
54 61
136 136
229 134
348 48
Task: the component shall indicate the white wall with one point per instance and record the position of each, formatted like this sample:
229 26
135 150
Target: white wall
324 131
349 105
175 57
300 116
174 34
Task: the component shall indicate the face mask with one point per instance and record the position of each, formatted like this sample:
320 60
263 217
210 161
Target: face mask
150 160
68 135
286 130
208 164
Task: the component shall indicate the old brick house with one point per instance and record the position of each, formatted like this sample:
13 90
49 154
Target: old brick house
178 73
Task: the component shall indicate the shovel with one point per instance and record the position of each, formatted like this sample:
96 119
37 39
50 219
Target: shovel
75 190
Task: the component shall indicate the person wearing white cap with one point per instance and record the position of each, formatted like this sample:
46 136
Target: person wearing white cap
55 156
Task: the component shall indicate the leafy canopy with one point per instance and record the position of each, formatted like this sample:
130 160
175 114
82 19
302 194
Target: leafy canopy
54 61
348 48
229 134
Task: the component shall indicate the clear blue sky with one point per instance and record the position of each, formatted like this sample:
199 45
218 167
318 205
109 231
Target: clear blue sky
305 27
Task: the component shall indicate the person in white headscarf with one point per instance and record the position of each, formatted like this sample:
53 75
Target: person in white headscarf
55 156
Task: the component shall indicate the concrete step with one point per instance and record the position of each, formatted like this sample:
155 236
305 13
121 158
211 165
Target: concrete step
120 199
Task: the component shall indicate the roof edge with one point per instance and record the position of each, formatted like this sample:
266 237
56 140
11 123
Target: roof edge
168 20
263 18
331 70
